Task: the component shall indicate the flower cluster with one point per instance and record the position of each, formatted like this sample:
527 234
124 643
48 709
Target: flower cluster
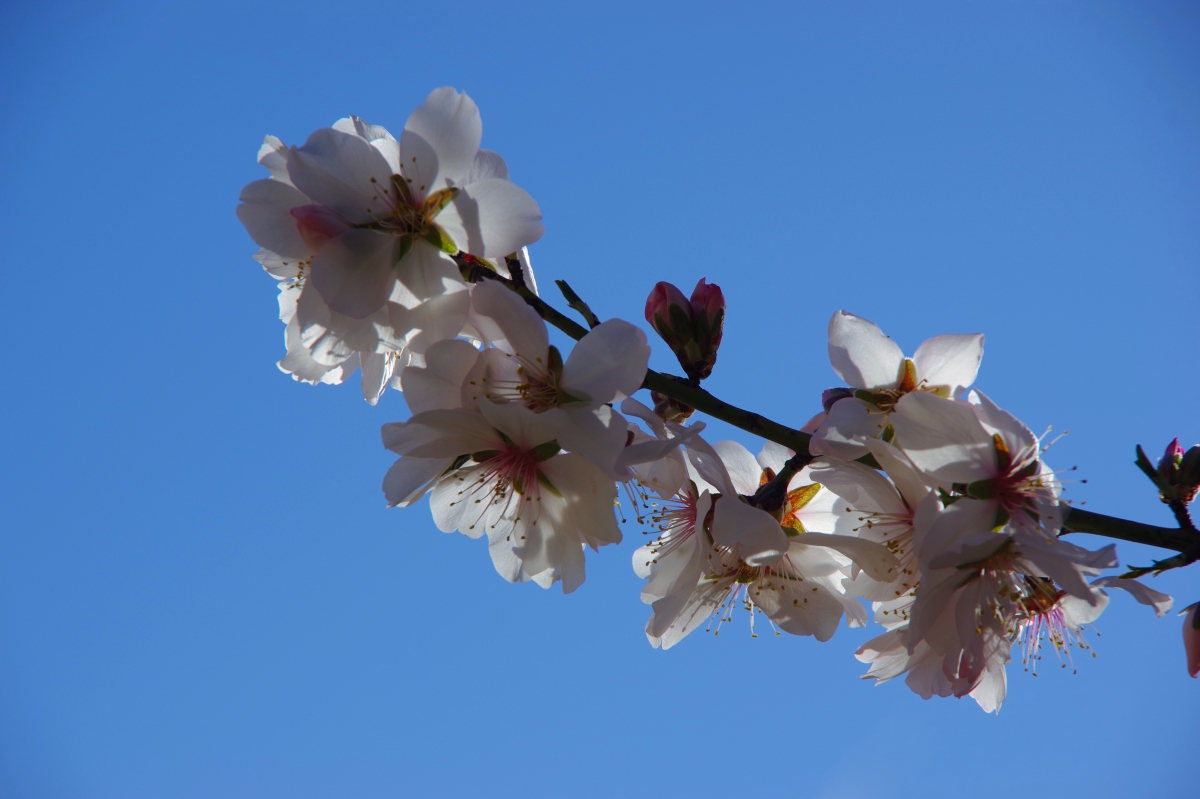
918 504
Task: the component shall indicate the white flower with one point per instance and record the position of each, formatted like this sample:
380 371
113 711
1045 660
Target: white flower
883 512
605 366
370 221
879 375
506 476
716 551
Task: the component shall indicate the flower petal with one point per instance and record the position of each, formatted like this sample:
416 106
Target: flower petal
608 364
345 173
492 218
440 140
861 354
950 360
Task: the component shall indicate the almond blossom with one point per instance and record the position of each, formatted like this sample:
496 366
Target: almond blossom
879 374
607 365
508 477
715 551
370 221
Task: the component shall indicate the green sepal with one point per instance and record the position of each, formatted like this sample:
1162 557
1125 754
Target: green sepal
544 452
458 462
545 481
400 248
441 239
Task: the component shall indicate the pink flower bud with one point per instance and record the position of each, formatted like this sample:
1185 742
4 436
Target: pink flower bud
1191 638
659 303
317 225
707 298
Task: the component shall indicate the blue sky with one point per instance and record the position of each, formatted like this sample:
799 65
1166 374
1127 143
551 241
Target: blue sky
201 591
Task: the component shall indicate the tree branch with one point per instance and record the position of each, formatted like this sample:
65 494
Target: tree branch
1076 520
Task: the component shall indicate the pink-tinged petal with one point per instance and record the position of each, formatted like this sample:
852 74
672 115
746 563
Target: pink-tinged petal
943 438
608 364
265 210
440 140
354 273
951 360
1142 593
506 321
861 354
316 225
343 172
409 478
439 384
492 218
757 535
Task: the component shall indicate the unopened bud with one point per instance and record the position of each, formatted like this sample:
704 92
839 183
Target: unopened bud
1180 471
691 328
708 320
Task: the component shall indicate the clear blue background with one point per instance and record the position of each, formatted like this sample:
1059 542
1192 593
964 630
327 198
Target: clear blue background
201 591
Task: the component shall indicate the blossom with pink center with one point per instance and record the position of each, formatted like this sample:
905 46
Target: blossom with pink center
503 473
371 222
605 366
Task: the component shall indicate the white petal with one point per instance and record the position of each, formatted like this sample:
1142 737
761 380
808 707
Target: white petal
843 431
862 487
608 364
487 164
1142 593
440 140
523 427
900 469
599 435
492 218
440 383
798 607
425 272
943 438
590 498
409 479
758 536
743 468
861 354
441 434
354 273
505 320
872 558
951 360
273 155
376 372
344 173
